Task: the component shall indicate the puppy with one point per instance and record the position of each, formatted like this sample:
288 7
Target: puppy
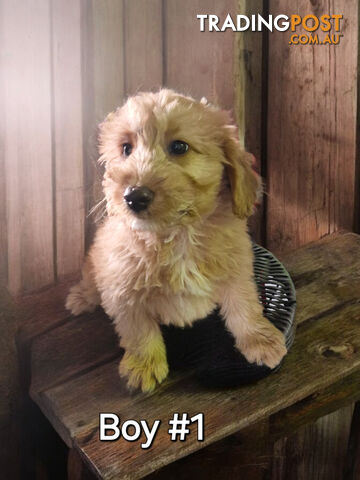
174 244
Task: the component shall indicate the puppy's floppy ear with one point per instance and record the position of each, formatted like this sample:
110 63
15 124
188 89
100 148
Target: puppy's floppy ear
245 183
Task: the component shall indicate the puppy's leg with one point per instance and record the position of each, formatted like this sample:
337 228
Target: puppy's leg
84 296
256 337
144 363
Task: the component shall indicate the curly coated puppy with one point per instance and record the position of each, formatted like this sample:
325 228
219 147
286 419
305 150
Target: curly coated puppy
174 244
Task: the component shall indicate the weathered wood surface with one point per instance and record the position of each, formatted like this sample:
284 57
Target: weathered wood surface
103 85
352 465
326 274
317 451
311 130
340 284
143 40
250 100
73 378
27 144
77 403
36 314
42 311
255 453
206 70
68 358
333 398
67 135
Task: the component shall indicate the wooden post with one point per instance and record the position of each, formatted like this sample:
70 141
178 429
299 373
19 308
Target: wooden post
311 129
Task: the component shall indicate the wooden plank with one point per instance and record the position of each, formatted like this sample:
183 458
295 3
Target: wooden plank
72 348
310 409
311 131
248 80
344 89
357 166
199 63
103 85
3 219
249 100
68 142
315 451
143 45
36 314
325 274
74 406
27 148
76 469
249 453
243 455
352 464
42 311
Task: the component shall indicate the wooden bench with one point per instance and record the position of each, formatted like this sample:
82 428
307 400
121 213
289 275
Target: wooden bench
72 373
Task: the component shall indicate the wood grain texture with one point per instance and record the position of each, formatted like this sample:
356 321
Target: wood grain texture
311 130
199 63
225 411
103 85
67 132
248 61
316 451
143 45
27 146
250 102
3 219
325 274
76 469
36 314
74 377
312 408
249 453
244 455
352 459
54 362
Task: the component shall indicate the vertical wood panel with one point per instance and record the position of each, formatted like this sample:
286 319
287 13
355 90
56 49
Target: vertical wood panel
103 83
143 45
3 222
311 130
27 148
316 451
344 88
199 63
67 120
249 100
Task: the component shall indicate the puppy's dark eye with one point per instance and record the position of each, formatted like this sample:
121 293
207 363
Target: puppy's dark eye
178 147
127 149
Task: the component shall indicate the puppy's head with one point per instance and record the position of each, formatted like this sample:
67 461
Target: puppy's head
168 159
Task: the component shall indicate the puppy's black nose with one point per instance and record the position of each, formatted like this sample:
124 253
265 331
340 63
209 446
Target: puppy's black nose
138 198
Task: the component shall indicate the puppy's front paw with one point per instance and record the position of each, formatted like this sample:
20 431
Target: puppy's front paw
265 347
77 302
145 370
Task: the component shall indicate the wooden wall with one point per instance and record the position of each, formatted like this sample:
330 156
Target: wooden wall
311 136
65 64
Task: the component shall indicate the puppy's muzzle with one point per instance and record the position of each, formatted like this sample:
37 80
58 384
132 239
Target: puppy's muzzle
138 198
